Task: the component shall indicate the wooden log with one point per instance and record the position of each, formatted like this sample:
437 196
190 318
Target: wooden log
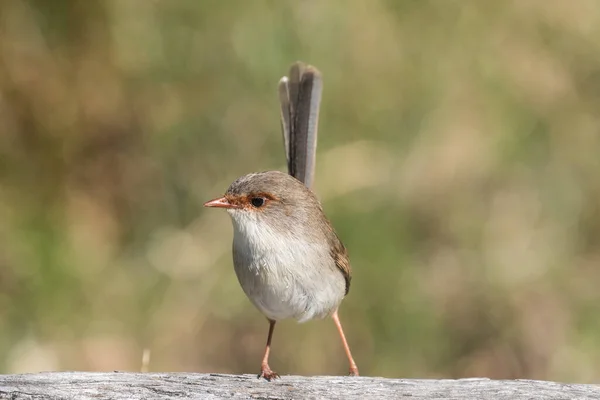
133 386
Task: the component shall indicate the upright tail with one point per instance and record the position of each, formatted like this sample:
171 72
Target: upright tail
300 98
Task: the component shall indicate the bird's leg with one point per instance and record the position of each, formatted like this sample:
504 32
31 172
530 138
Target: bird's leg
353 367
265 371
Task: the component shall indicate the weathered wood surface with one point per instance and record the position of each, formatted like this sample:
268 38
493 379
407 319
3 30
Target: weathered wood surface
133 386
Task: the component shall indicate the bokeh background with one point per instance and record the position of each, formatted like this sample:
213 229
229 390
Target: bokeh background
459 160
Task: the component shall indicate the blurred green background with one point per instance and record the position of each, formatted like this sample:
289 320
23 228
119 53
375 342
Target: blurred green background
459 160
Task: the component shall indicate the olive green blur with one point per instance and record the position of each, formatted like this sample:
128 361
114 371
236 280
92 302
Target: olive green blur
458 158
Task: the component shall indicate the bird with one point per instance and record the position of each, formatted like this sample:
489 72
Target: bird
287 257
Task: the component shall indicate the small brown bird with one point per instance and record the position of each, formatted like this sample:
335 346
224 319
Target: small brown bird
287 257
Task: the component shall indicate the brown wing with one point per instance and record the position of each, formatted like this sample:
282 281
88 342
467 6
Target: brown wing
340 257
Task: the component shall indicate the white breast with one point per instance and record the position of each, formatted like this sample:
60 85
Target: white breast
282 275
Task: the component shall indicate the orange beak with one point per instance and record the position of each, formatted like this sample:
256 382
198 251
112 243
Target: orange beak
221 202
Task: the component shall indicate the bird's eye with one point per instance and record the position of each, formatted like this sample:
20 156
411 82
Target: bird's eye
257 202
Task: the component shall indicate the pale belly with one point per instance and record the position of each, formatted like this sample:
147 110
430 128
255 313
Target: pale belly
291 282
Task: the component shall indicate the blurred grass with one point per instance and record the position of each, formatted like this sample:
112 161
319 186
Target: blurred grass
458 159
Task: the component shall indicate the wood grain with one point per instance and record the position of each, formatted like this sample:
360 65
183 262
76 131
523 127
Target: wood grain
133 386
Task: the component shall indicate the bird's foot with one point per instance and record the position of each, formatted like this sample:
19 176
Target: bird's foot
353 371
267 373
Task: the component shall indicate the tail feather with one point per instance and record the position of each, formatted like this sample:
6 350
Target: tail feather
300 99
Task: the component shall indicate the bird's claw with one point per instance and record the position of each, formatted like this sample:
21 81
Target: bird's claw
267 373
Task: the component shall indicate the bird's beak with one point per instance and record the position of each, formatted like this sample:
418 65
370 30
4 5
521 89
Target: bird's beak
221 202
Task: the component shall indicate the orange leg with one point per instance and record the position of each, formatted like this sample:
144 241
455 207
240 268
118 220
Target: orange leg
353 367
265 371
